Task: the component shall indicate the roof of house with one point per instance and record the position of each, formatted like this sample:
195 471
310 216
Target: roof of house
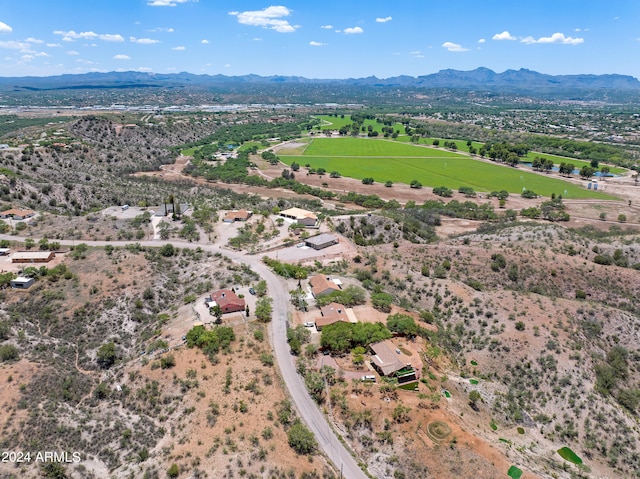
237 215
332 313
226 297
14 212
298 213
386 358
32 255
320 283
321 239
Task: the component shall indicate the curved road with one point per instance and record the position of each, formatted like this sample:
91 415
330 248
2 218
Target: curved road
309 411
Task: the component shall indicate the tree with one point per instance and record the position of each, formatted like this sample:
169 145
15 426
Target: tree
367 181
402 324
167 250
301 439
217 312
264 309
106 355
382 301
260 288
586 172
474 397
388 184
314 382
415 184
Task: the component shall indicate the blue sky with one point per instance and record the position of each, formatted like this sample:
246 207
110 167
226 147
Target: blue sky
318 39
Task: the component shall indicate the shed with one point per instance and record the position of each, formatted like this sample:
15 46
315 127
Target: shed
22 282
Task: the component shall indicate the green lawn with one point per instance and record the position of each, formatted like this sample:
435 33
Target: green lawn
190 151
360 147
402 163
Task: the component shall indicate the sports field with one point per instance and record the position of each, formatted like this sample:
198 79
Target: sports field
385 160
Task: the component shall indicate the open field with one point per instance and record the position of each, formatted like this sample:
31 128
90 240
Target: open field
398 162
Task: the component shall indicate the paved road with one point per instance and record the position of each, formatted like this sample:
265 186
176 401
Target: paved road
309 411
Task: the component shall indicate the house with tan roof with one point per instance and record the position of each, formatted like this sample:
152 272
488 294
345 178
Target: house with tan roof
321 285
17 214
32 256
390 361
303 217
330 314
233 216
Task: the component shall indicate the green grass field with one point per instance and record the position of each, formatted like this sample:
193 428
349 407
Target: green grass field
402 163
335 123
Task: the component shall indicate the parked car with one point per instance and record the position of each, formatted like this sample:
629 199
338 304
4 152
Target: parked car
309 324
369 377
252 291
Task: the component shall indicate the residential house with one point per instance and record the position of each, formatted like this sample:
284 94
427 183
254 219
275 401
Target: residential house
228 300
233 216
303 217
167 209
331 313
32 256
387 360
17 214
322 285
321 241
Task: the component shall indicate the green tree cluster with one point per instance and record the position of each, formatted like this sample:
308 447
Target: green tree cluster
340 338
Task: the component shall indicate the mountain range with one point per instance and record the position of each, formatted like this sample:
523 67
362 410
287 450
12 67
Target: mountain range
522 80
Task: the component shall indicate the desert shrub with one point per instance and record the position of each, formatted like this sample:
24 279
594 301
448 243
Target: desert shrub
8 352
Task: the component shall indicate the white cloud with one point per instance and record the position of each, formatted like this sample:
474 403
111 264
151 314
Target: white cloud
144 69
162 29
26 58
13 45
121 57
179 49
4 28
503 36
205 42
166 3
71 36
42 54
143 41
416 54
227 65
316 44
34 40
111 38
353 31
54 45
383 20
257 39
454 47
555 38
327 27
72 53
270 17
482 40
